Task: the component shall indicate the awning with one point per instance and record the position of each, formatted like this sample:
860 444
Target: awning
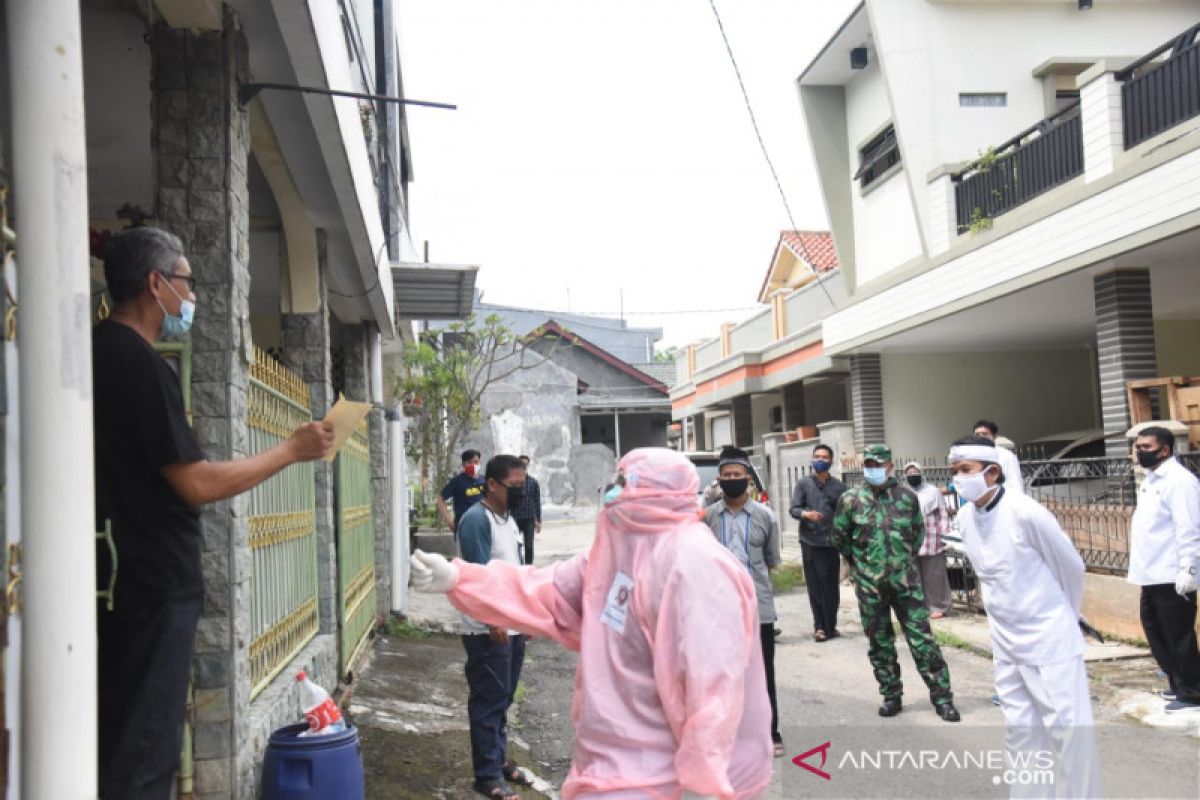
433 291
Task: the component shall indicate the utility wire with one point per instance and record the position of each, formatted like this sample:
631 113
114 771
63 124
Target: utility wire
758 134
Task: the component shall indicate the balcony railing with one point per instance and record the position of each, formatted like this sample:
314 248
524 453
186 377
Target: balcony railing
1035 160
1158 95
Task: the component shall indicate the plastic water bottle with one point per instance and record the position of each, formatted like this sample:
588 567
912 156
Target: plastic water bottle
320 712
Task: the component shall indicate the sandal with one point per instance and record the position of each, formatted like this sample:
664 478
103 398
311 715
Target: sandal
496 789
515 775
779 749
820 635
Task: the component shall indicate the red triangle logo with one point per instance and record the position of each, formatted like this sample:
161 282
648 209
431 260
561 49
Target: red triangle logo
800 761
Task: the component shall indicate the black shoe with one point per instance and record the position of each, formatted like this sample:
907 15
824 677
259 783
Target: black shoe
891 707
776 632
833 635
948 712
1168 695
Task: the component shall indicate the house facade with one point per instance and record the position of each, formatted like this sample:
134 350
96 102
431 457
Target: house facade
569 401
1015 206
1012 193
213 120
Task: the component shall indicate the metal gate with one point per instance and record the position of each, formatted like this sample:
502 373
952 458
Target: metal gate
283 542
355 546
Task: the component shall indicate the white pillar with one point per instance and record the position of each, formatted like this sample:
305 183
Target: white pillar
1102 121
943 219
617 431
400 501
58 675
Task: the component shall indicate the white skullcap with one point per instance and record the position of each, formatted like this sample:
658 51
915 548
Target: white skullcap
974 452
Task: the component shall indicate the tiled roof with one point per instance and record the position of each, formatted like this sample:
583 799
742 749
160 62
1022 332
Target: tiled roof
664 372
815 247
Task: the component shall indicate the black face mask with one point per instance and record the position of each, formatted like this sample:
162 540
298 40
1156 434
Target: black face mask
1149 459
734 487
515 495
913 480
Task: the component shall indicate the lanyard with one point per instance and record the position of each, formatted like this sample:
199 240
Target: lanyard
745 536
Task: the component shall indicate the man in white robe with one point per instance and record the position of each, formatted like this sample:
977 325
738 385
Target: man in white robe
1032 580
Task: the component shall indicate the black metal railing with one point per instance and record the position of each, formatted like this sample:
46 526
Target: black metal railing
1158 95
1035 160
1092 498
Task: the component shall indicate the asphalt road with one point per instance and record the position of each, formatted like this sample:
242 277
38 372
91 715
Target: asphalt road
828 700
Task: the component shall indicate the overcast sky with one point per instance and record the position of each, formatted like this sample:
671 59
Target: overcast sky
603 146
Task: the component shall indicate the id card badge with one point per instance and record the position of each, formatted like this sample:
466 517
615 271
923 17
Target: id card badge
616 608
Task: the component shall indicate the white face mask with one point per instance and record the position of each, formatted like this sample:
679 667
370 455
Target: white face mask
972 485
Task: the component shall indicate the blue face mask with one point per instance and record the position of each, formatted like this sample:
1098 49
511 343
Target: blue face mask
875 475
820 465
176 326
612 494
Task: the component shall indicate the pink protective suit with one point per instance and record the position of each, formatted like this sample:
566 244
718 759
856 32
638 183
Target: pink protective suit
670 692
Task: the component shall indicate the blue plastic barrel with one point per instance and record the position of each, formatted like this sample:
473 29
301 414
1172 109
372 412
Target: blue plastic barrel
325 767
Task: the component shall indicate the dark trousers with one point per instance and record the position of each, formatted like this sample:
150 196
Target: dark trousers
144 665
822 568
493 670
526 527
1170 625
766 633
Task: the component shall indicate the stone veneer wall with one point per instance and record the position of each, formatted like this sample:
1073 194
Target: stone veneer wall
201 142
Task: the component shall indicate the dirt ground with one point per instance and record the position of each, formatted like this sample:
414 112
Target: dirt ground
414 732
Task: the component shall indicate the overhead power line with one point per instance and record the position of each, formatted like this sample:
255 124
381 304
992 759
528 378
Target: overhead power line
758 132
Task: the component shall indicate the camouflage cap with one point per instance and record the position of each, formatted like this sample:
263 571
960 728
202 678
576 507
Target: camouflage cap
877 452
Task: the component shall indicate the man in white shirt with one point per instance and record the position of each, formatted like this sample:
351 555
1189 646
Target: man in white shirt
488 532
1010 465
1164 557
1032 579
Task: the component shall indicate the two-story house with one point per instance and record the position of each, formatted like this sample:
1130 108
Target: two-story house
1014 192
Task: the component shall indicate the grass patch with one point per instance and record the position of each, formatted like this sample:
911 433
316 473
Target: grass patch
522 690
947 639
398 626
786 577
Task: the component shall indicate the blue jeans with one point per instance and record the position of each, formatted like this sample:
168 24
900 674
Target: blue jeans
493 670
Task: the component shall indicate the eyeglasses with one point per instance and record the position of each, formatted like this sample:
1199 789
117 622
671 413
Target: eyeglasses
191 281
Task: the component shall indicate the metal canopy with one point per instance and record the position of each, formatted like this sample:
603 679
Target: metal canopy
433 291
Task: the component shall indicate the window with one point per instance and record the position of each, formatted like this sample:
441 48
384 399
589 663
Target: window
877 156
982 99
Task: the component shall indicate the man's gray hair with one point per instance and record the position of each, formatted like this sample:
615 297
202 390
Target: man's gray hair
133 254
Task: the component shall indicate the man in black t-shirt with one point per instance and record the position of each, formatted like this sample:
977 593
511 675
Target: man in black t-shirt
465 490
151 478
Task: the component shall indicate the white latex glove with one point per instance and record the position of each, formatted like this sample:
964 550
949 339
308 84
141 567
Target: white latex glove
432 572
693 796
1185 580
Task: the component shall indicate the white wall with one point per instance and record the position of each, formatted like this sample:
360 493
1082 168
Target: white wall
116 72
720 432
931 51
929 400
885 224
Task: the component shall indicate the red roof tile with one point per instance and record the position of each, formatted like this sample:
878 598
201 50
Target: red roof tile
815 247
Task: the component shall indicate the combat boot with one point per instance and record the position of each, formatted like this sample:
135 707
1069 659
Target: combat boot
947 711
891 707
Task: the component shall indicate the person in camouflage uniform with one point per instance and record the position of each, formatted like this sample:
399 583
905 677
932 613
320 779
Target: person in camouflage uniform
878 529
